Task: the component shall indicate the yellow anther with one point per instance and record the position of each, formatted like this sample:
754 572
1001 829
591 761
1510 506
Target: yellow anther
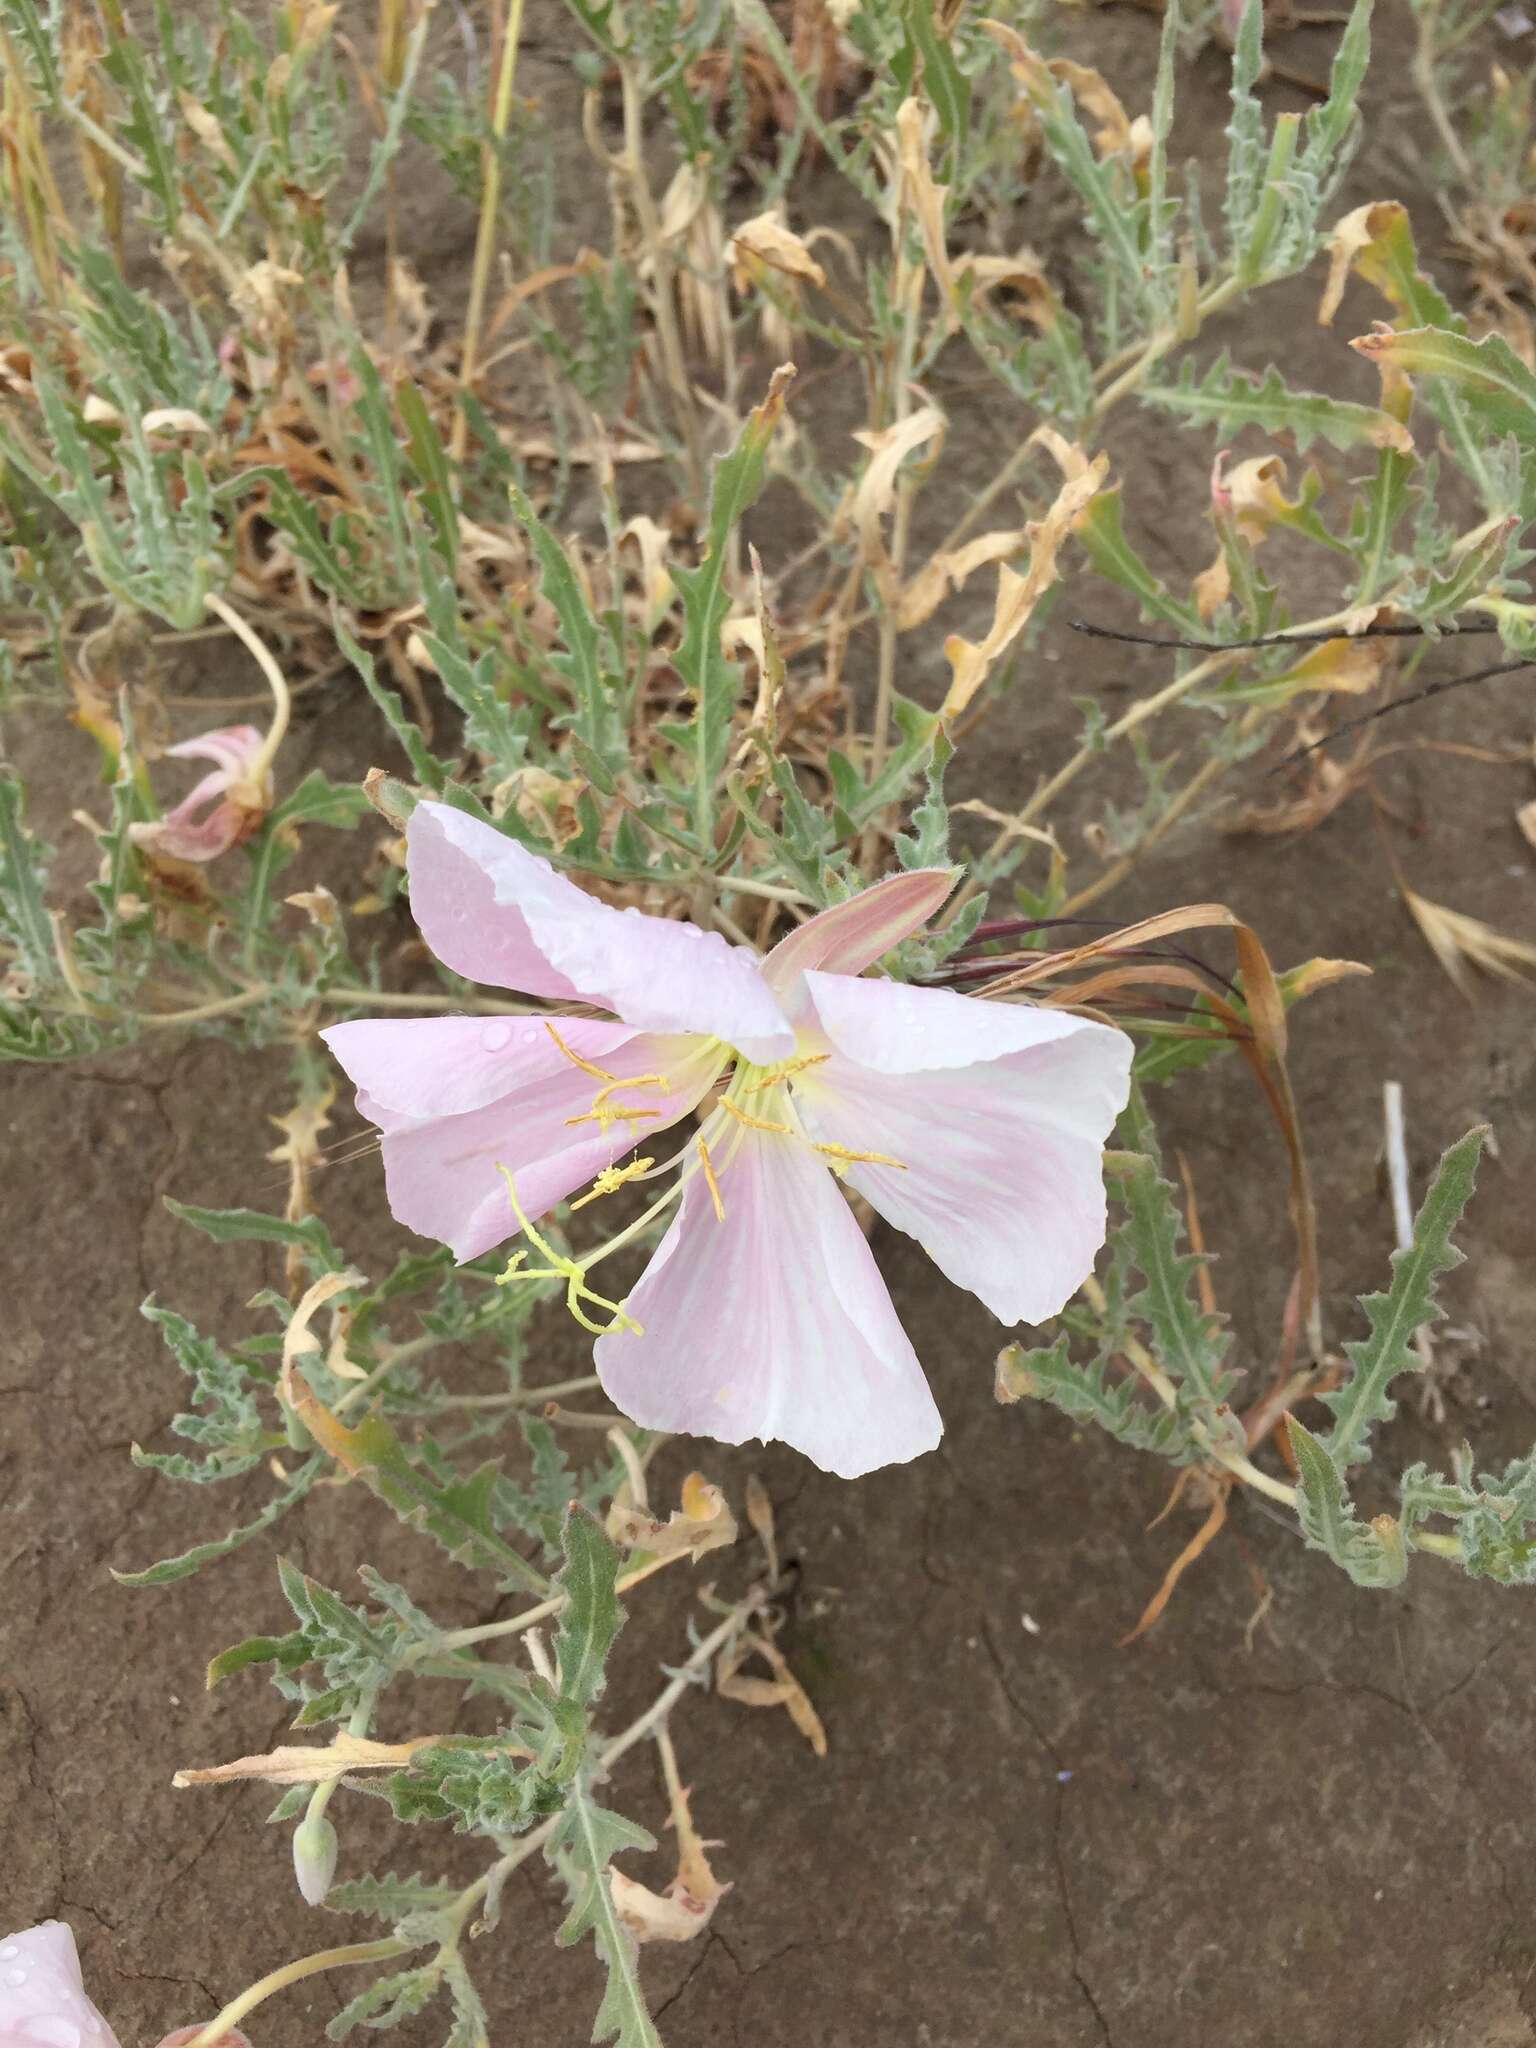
639 1081
843 1156
757 1123
612 1178
575 1058
770 1077
709 1177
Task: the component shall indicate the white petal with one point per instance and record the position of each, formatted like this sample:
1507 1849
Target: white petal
999 1115
772 1323
42 2000
493 911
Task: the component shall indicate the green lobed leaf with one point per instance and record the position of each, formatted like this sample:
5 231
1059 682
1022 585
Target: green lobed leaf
1228 399
1407 1307
1373 1553
1096 1393
193 1560
592 1616
588 1838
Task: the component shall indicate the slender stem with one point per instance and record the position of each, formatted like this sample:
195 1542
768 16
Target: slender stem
659 1709
281 699
294 1973
523 1397
202 1011
664 295
489 1631
485 231
1429 91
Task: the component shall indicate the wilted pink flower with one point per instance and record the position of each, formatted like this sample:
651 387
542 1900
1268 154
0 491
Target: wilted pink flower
224 808
43 2002
975 1127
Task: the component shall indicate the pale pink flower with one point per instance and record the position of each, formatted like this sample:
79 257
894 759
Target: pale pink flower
224 808
975 1127
43 2002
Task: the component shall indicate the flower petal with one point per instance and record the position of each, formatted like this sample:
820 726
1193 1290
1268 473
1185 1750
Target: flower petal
493 911
854 935
445 1066
455 1104
772 1323
42 1999
998 1113
232 747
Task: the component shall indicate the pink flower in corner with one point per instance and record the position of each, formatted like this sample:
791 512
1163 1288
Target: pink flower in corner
974 1127
43 2002
224 808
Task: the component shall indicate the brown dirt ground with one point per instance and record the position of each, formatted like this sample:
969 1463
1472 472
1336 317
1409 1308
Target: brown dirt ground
1315 1835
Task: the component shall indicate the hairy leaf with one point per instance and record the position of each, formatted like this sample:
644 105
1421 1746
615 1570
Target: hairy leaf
1407 1307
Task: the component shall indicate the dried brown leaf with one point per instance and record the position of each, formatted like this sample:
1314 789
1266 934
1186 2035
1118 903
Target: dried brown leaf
703 1523
972 661
1460 943
875 494
782 1690
947 572
311 1764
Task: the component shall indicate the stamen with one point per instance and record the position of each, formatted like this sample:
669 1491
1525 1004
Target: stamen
611 1113
757 1123
575 1058
709 1176
612 1178
639 1081
560 1268
843 1156
770 1077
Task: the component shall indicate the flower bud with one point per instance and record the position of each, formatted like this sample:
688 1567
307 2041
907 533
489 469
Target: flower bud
314 1857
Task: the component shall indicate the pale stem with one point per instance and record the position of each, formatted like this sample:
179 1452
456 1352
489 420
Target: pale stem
1148 1369
282 702
294 1973
485 230
674 362
488 1631
1141 360
909 286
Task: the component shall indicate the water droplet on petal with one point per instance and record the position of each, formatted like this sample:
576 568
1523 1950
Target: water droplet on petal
15 1978
691 931
631 910
9 1949
529 1035
495 1036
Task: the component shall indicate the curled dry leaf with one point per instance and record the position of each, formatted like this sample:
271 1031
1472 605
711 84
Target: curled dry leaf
947 572
982 276
766 243
1116 135
760 1515
299 1338
703 1523
1376 241
782 1690
972 661
920 196
672 1915
875 494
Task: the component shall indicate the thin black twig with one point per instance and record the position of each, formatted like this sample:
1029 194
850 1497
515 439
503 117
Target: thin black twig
1477 675
1404 632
